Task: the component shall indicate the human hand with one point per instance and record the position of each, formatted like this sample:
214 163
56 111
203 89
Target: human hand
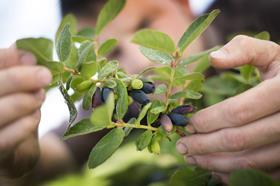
242 131
21 96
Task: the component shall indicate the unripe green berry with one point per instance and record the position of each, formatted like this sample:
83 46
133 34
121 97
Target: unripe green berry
136 84
84 85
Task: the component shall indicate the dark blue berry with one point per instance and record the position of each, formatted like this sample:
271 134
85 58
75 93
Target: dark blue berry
139 96
178 119
133 111
148 87
183 109
96 99
105 93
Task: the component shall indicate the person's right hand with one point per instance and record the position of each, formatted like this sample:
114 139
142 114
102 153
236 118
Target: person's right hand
21 96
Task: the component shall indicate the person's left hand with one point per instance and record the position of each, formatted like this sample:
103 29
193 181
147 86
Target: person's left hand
242 131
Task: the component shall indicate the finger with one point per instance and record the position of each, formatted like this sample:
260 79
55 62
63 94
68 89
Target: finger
246 50
251 105
262 132
15 133
23 78
15 106
12 56
265 158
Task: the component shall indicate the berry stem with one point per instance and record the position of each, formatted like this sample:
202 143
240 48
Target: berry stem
128 125
72 71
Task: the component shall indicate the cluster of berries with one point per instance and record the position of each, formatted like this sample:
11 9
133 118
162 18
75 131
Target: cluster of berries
138 92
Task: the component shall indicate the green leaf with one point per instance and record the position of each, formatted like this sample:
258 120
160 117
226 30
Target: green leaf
86 53
81 128
143 112
108 69
85 34
64 43
67 20
88 97
107 47
76 80
196 57
191 176
156 56
202 65
88 69
122 101
106 147
160 89
249 178
110 83
72 60
263 35
188 94
42 48
191 76
55 67
71 107
158 109
196 29
152 117
102 115
247 71
144 140
153 39
110 10
84 85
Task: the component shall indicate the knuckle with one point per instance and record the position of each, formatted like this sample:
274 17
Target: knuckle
237 113
233 141
242 40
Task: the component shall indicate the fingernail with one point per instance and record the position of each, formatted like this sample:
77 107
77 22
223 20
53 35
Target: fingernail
40 95
190 129
27 58
190 160
218 54
181 148
44 76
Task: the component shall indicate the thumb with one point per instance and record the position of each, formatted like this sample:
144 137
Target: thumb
243 50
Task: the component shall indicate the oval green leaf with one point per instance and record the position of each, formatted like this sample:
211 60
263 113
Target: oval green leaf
106 147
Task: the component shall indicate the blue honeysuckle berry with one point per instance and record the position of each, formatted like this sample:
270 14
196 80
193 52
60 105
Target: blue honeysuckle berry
178 119
140 97
96 98
105 93
183 109
148 87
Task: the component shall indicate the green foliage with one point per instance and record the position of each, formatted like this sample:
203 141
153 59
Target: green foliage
144 140
156 56
64 43
81 128
107 47
42 48
111 9
196 29
154 39
250 178
106 147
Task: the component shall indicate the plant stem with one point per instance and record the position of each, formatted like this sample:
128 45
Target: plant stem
122 124
72 71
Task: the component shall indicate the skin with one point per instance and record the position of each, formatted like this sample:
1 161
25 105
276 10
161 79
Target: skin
242 131
21 97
